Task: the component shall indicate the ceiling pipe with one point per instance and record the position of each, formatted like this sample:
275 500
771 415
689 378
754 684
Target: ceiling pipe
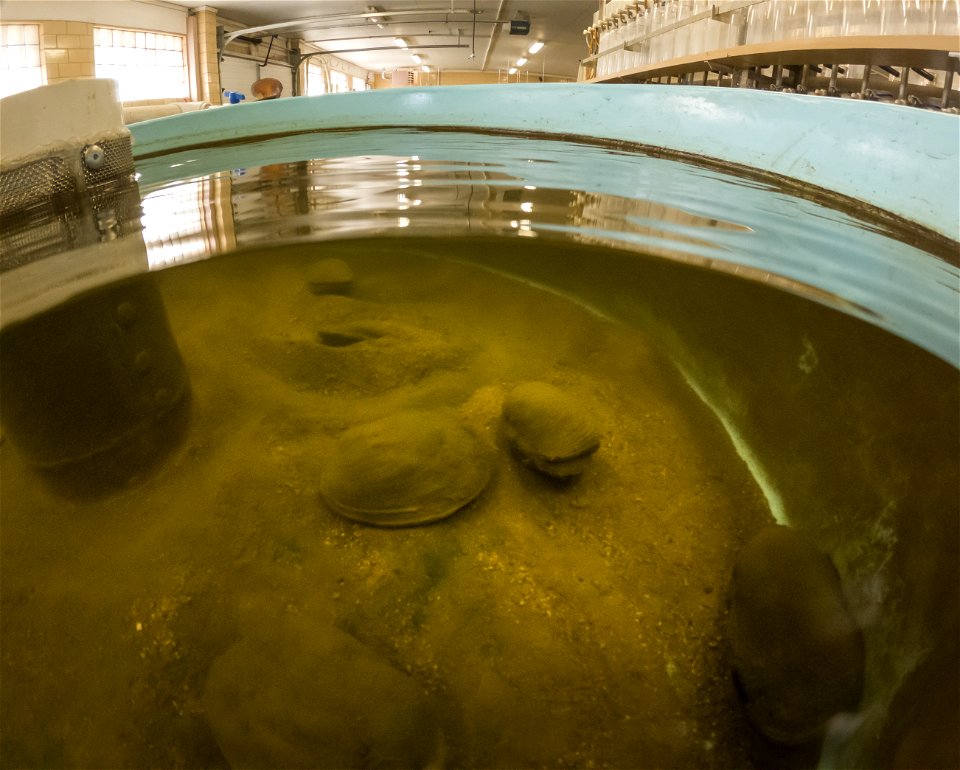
379 48
295 67
241 34
391 36
493 37
304 57
473 32
312 20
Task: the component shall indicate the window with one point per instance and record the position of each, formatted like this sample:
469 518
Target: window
359 84
146 65
20 67
316 85
338 82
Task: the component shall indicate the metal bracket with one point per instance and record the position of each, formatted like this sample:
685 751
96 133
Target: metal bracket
726 14
269 49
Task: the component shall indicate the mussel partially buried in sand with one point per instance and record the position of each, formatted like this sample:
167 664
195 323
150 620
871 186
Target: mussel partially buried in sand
797 651
409 468
549 429
299 693
330 276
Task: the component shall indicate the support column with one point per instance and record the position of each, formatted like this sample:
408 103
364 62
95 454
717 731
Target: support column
207 61
67 50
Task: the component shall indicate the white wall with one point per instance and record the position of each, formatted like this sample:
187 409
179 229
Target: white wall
238 75
133 14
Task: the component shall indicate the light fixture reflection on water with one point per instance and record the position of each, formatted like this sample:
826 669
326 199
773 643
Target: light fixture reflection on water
523 227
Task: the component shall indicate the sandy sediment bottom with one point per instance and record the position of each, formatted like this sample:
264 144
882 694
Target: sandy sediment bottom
575 624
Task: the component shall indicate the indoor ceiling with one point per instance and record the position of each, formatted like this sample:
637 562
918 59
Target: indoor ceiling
445 34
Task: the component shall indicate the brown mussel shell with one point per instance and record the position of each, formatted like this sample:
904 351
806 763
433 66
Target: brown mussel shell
550 429
413 467
330 276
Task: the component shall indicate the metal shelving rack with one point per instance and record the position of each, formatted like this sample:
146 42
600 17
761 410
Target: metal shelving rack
916 69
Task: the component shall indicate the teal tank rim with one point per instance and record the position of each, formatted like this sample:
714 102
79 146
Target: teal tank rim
902 160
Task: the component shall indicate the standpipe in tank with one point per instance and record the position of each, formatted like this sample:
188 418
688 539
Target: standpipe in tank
93 390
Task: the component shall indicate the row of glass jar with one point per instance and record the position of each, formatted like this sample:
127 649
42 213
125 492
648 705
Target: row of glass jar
724 25
791 20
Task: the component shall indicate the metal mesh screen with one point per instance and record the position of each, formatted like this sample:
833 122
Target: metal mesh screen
59 202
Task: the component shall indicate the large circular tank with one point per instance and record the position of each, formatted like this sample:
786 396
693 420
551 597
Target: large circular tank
752 298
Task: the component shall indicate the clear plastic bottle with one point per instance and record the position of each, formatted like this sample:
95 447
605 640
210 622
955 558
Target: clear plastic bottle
623 31
654 42
614 43
640 29
603 61
905 17
668 38
615 36
826 19
945 18
796 23
712 29
758 23
862 17
698 30
629 35
728 32
681 38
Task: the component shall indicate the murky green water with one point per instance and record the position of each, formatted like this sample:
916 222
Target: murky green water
546 624
556 622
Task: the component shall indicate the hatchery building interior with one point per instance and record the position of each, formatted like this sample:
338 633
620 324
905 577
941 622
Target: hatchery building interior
480 384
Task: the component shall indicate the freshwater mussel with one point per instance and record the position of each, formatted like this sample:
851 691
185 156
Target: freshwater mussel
798 652
412 467
549 429
330 276
299 693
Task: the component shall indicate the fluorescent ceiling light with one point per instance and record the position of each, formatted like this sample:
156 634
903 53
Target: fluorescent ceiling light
400 42
535 47
425 68
416 58
512 71
521 61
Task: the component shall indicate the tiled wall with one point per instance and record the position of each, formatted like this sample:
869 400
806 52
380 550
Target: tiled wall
67 49
208 69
